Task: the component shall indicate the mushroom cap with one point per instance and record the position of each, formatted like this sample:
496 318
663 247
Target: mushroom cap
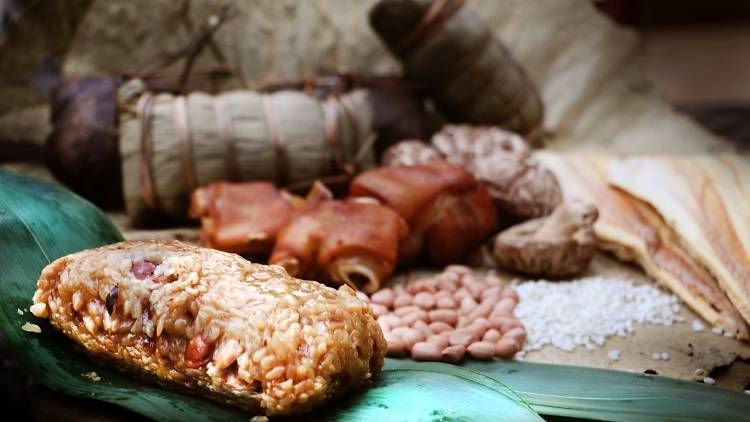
523 189
463 145
559 245
410 152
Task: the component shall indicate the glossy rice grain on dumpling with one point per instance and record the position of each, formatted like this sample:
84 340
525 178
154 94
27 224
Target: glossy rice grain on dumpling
241 333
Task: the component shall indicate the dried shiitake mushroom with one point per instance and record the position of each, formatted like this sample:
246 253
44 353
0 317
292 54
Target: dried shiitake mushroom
499 159
410 152
521 188
463 145
559 245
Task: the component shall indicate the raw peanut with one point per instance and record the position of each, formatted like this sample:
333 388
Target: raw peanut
396 346
363 297
463 321
511 324
468 304
447 285
494 280
438 327
378 310
447 316
506 347
405 310
443 293
423 327
504 323
445 303
441 340
401 300
450 277
424 300
491 335
481 350
478 330
413 317
423 285
411 337
495 315
143 269
384 297
461 293
492 291
511 294
390 320
457 269
479 326
482 320
425 351
482 310
505 306
467 278
518 334
198 351
492 300
400 331
453 354
476 288
462 336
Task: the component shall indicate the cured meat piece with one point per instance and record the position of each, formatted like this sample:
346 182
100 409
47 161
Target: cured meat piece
633 230
448 213
243 218
706 201
240 333
341 242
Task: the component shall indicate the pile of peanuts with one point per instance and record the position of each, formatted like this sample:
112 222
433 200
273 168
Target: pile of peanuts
444 317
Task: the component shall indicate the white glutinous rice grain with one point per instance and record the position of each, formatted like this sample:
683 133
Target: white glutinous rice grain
717 330
586 312
31 328
614 354
19 311
93 376
699 372
664 356
709 381
698 326
747 391
656 356
728 334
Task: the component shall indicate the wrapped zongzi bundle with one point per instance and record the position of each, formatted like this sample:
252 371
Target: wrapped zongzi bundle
141 142
170 145
446 47
213 323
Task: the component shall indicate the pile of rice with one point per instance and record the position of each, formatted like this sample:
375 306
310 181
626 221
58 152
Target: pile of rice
585 312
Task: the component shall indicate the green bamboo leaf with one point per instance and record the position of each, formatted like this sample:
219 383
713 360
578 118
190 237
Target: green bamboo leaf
40 222
414 391
601 394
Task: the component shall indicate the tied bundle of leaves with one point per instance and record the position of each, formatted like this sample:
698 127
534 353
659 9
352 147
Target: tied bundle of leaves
40 222
445 46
